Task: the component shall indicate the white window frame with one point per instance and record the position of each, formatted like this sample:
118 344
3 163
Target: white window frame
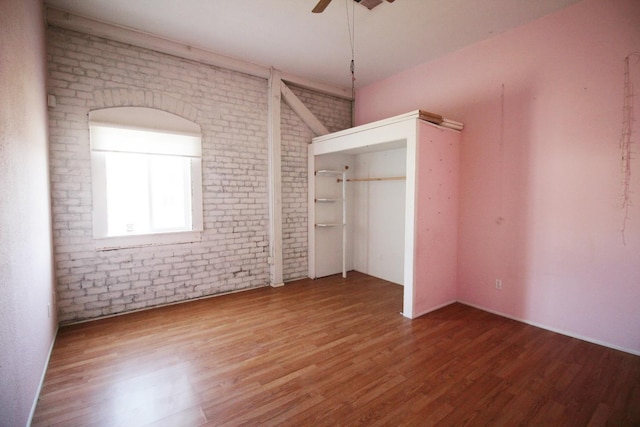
175 136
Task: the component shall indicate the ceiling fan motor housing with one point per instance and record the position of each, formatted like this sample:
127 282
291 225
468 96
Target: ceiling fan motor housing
369 4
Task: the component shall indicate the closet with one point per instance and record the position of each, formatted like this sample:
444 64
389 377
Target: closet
383 200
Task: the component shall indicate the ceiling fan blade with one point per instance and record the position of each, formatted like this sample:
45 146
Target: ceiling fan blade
321 6
391 1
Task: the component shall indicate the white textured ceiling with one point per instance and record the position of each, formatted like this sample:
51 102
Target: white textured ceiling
284 34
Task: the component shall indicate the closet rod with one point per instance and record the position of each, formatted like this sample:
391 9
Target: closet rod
389 178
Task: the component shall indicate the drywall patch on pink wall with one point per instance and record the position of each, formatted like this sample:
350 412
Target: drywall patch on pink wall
540 168
26 280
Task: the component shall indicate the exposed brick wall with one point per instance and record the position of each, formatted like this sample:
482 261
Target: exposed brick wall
296 136
87 73
335 114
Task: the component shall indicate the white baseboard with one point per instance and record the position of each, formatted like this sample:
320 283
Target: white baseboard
429 310
44 373
123 313
556 330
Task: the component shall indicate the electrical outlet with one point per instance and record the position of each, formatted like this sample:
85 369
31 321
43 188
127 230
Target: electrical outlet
499 284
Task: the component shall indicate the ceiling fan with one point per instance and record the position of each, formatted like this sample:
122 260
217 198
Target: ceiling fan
369 4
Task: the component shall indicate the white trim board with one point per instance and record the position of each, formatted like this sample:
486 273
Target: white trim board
63 19
124 313
42 377
275 179
431 310
551 329
412 115
302 111
376 136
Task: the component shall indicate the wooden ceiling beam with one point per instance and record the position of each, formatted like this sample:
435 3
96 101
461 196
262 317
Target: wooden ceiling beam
302 111
59 18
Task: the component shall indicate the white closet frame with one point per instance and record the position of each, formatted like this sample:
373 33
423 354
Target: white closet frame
395 132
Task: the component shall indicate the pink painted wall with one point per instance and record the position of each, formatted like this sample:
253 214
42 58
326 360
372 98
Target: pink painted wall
26 280
436 224
540 167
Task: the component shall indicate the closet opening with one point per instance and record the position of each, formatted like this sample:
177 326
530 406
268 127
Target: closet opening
383 200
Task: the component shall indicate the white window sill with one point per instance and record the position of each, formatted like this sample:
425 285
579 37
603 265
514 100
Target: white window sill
137 241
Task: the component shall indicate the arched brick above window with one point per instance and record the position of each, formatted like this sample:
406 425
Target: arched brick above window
122 97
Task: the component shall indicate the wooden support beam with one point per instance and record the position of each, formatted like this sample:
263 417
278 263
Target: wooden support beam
275 180
63 19
325 88
301 110
60 18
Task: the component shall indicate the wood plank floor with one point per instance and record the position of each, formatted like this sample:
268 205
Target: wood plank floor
330 352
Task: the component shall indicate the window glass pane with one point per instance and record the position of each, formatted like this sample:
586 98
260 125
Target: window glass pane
127 178
147 193
146 177
170 179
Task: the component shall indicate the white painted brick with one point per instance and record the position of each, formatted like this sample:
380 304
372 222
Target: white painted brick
85 299
119 287
86 73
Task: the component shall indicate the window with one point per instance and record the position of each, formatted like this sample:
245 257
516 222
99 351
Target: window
146 178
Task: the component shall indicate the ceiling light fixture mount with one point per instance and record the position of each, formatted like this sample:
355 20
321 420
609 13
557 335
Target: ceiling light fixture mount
369 4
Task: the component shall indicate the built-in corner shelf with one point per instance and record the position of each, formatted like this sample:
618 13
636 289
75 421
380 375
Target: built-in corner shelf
340 176
431 166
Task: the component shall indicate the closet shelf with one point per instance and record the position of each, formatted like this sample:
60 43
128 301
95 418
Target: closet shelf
332 202
386 178
328 172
